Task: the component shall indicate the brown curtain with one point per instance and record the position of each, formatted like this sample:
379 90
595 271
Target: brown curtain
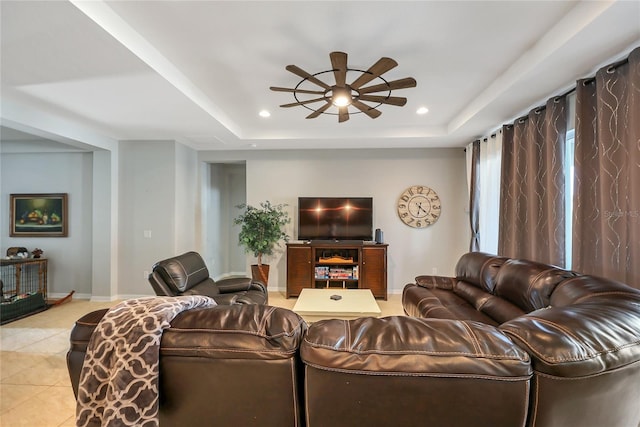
474 198
532 214
606 228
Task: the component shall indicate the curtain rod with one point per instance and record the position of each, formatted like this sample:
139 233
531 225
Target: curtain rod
610 68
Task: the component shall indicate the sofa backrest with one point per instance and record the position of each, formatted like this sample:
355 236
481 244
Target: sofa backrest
479 269
584 288
529 284
182 272
476 274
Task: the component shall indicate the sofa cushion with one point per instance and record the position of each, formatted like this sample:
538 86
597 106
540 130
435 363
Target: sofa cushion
182 272
479 269
418 301
498 309
529 284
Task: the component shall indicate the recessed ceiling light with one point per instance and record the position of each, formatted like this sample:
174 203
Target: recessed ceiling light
264 113
422 110
254 145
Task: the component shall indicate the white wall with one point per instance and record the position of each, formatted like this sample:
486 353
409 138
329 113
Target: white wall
147 203
283 176
70 258
185 195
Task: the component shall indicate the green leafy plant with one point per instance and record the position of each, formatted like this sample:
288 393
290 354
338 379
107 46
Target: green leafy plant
262 228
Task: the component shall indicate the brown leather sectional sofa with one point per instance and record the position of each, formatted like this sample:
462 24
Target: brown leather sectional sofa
505 343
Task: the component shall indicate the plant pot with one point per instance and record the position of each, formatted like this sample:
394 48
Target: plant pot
260 273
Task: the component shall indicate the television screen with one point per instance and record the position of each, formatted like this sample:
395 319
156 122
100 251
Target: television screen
335 218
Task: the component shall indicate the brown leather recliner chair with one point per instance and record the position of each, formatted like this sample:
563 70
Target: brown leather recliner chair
187 274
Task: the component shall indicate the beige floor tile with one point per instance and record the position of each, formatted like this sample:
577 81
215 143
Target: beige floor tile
57 342
16 339
11 395
69 422
51 407
12 362
50 371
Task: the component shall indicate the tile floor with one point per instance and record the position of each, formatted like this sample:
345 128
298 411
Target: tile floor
35 390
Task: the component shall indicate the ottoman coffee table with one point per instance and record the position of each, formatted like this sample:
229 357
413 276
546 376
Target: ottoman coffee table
317 304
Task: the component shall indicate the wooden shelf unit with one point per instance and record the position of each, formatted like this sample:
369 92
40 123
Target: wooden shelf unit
337 265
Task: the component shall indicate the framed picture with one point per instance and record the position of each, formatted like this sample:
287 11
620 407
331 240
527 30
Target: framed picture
39 215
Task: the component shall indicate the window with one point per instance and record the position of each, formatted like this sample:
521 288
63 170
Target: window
568 206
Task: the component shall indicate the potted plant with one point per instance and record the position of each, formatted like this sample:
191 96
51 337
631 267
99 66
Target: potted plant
261 231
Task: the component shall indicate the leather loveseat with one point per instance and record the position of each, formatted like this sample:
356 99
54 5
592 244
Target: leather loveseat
505 343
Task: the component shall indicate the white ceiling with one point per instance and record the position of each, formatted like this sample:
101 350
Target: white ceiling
199 71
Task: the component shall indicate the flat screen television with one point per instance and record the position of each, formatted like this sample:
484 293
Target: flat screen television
335 218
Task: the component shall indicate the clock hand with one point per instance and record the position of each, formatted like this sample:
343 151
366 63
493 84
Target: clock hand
419 205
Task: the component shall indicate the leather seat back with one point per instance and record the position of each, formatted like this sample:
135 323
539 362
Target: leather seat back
182 272
479 269
476 274
529 284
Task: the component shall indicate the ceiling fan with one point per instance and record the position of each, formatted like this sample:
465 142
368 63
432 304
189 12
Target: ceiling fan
342 95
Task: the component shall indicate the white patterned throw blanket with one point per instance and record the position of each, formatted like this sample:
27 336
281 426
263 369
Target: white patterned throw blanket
119 379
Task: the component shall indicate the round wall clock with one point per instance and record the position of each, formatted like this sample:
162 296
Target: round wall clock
419 206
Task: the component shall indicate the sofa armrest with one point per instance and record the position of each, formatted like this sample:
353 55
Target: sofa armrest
435 282
79 340
238 284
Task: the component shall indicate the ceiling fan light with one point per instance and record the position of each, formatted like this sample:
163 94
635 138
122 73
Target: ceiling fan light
341 100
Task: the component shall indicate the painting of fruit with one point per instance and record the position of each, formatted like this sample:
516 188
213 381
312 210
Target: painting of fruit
39 215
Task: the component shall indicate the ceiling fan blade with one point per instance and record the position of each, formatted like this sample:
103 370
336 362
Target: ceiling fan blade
392 85
382 66
371 112
308 101
302 73
286 89
343 114
339 64
391 100
319 111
